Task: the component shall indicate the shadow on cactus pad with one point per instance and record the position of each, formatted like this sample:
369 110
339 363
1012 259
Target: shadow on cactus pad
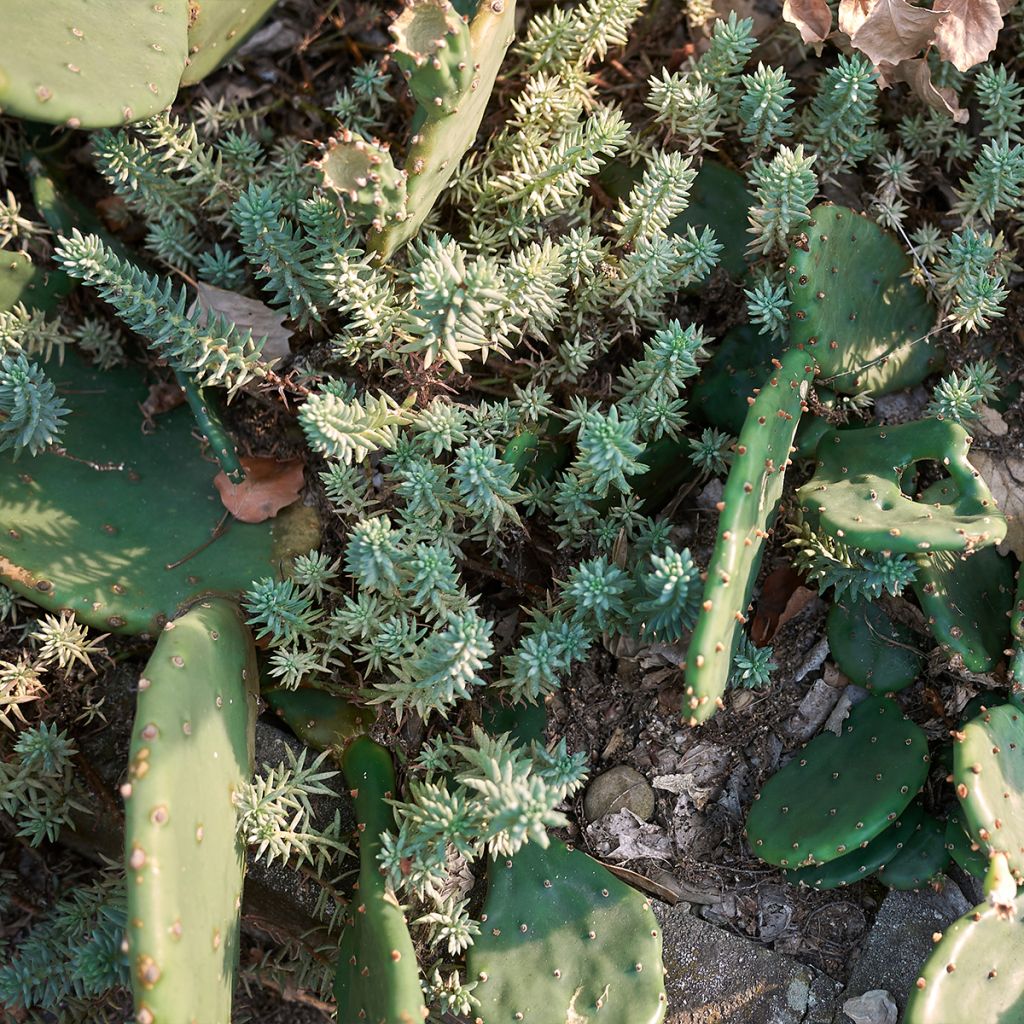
122 526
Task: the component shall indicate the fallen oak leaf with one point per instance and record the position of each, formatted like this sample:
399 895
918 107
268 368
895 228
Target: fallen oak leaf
968 31
812 18
918 75
783 596
268 487
853 14
246 313
894 31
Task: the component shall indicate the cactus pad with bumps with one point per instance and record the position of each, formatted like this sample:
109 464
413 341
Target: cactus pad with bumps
870 648
320 719
191 751
922 857
121 526
988 772
433 50
1016 671
839 792
33 286
864 861
962 848
748 506
361 173
855 493
377 977
216 29
562 939
975 974
854 307
91 63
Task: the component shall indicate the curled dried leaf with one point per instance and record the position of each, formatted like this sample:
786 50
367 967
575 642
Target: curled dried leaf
968 31
268 487
812 18
894 31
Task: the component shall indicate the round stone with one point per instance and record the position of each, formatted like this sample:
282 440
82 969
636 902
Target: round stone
619 787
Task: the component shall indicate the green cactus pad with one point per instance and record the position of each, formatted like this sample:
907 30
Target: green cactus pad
963 849
321 720
1016 671
564 940
870 648
438 144
121 528
216 29
91 63
378 977
967 602
363 176
191 751
924 855
839 792
22 281
748 506
988 772
855 308
864 861
855 492
975 975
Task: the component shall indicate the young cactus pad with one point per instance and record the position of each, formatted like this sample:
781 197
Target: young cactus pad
378 979
124 527
922 857
369 188
988 772
91 63
216 29
975 975
855 492
870 648
191 751
320 719
854 307
747 508
839 792
565 940
858 864
962 848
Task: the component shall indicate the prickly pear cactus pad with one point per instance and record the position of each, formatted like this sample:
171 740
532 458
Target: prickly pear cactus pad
91 63
855 308
35 287
968 853
125 527
863 861
321 720
746 511
839 792
975 975
369 188
192 749
870 648
855 492
216 29
378 978
988 772
565 940
922 857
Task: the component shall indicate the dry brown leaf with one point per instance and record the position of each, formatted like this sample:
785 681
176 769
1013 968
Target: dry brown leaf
812 17
918 75
853 14
247 313
1004 475
895 30
783 596
968 31
163 396
269 486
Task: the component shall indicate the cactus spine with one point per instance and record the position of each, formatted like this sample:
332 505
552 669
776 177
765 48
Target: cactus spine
191 750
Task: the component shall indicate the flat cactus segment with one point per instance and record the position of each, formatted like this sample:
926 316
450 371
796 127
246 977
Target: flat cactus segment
839 792
91 63
378 978
870 648
864 861
855 492
565 940
437 146
975 975
369 189
963 849
22 281
121 526
191 751
967 602
433 49
923 856
988 771
1016 671
320 719
854 307
216 29
748 506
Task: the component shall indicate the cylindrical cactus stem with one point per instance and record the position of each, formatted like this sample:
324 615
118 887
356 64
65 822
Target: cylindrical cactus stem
191 751
213 429
377 978
748 506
